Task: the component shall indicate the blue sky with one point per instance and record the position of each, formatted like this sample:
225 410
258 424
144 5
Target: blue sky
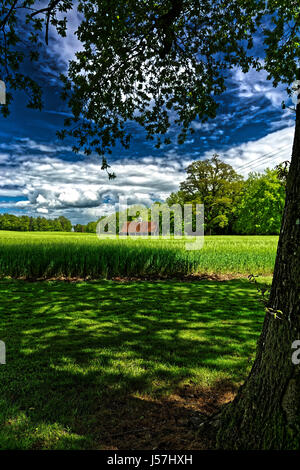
40 175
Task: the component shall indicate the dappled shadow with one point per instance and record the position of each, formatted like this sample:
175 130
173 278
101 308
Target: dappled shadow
77 351
161 423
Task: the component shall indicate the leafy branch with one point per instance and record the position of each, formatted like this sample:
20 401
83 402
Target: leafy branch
264 297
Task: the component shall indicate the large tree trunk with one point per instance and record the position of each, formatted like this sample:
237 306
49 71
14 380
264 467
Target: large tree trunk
266 411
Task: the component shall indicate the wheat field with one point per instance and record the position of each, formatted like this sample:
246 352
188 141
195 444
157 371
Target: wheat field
70 255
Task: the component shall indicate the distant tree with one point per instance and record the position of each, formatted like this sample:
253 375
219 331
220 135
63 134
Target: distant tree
79 228
91 227
216 185
34 226
261 206
55 226
24 223
66 224
31 224
43 224
177 198
10 222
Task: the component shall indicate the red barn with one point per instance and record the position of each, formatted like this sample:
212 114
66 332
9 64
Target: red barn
139 228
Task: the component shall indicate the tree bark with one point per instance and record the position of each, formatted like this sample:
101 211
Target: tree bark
266 411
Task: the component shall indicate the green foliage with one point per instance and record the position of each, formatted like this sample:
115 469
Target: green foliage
282 41
77 255
91 227
79 228
21 42
264 297
80 353
65 223
162 55
30 224
232 205
261 206
141 60
216 185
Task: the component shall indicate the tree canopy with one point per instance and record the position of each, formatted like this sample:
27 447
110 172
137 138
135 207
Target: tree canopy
232 205
25 223
159 63
215 184
260 209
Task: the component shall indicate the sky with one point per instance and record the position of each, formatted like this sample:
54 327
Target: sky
41 176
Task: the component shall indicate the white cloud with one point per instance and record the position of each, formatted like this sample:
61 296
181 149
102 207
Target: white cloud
64 49
41 200
257 155
254 84
22 145
42 210
10 192
83 191
22 203
4 157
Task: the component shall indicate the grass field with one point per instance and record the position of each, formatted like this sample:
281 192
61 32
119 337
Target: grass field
109 364
72 255
120 365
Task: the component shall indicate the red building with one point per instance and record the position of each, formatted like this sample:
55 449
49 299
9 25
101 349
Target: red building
139 228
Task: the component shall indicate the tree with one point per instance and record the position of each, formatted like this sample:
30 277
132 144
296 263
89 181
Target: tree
24 223
141 59
266 411
79 228
33 226
66 225
91 227
161 54
55 226
216 185
261 206
8 222
43 224
13 222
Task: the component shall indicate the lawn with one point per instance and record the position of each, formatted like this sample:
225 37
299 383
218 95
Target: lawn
120 365
37 255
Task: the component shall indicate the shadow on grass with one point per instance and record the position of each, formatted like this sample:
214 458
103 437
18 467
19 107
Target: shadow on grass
77 351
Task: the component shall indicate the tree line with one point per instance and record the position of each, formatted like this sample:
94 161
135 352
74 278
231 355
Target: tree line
25 223
232 205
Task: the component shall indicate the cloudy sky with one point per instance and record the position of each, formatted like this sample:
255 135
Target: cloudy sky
40 175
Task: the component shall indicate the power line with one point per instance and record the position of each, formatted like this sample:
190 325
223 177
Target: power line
260 159
258 164
261 162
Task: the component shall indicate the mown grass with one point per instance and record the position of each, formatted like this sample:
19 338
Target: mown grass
73 348
71 255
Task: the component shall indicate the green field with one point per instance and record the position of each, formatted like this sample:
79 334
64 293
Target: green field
120 365
72 255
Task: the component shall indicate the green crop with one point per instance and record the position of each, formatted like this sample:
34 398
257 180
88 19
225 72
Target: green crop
75 255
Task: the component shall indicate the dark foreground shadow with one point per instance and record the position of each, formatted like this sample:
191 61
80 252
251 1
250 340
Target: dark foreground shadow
120 365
